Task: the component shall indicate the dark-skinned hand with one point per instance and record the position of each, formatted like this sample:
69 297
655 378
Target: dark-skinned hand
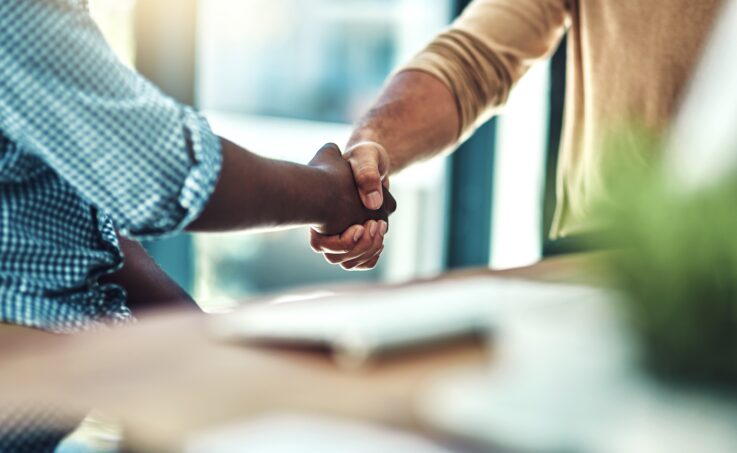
345 207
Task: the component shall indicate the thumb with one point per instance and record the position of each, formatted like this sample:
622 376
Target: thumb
367 163
368 181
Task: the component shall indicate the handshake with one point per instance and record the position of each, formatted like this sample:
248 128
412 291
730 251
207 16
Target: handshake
359 207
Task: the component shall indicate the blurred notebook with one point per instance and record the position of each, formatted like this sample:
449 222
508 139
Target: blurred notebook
359 326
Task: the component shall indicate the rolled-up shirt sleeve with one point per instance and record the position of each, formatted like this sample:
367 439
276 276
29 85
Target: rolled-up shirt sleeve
133 152
488 49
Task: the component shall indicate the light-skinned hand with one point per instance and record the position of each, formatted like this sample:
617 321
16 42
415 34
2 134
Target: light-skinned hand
345 208
360 246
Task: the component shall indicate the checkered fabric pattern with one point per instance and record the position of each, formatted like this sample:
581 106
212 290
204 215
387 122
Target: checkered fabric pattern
35 427
86 146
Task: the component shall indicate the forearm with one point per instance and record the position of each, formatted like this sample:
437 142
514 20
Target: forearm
146 284
255 192
461 78
414 118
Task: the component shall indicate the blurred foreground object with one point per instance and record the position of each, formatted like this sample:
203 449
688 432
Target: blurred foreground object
167 379
680 272
96 434
294 432
565 378
32 426
679 222
702 145
360 327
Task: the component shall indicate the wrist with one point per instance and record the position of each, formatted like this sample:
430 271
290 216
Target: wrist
323 190
363 134
381 154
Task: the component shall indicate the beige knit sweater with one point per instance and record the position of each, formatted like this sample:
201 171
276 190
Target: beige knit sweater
628 61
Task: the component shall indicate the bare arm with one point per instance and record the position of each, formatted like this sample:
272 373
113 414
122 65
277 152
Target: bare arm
453 85
474 66
415 118
254 192
146 284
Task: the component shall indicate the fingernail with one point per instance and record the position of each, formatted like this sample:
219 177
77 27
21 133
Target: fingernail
372 229
374 200
383 227
358 234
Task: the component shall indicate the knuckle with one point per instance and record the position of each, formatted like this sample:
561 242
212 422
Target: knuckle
367 175
332 258
363 160
347 243
315 243
370 264
364 150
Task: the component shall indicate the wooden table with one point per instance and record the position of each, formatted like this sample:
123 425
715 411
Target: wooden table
167 377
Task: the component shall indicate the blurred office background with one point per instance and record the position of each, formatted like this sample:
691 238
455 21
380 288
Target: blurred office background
282 77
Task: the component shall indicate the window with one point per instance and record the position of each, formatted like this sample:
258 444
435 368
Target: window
519 176
115 19
282 77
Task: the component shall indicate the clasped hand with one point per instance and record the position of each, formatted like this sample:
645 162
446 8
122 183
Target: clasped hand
354 239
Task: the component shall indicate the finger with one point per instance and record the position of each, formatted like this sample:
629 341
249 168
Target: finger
363 264
383 227
334 258
365 248
369 164
387 209
321 244
386 184
368 181
371 264
328 151
376 248
342 243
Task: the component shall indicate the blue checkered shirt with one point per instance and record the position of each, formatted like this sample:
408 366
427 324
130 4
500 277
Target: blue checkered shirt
87 146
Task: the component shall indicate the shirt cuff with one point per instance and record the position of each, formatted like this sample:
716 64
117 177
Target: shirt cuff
205 151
